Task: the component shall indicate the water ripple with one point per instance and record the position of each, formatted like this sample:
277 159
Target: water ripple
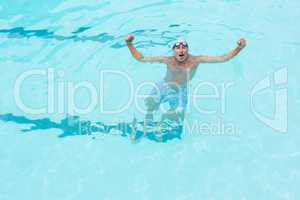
117 41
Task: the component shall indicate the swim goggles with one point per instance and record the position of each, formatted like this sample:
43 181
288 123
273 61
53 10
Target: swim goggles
180 42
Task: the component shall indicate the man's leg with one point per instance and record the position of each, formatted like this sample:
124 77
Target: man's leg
177 102
174 115
152 106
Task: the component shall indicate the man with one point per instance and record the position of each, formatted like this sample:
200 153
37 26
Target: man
181 68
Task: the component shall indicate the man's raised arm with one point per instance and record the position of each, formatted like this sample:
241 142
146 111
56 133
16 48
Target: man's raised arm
137 55
215 59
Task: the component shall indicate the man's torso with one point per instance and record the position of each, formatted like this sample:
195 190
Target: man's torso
178 72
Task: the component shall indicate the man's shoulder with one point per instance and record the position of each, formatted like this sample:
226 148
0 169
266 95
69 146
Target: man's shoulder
192 57
168 59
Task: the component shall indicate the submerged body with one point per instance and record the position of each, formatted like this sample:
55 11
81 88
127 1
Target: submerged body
181 68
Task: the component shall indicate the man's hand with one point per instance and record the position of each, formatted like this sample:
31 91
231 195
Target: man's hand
129 38
241 43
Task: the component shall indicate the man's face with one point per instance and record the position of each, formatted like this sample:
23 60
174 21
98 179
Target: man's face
180 52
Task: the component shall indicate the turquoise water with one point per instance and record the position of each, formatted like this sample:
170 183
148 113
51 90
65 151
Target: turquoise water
239 142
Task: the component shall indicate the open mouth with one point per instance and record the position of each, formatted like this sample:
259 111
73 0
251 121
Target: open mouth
181 55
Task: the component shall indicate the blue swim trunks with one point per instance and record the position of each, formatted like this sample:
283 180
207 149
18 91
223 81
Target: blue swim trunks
175 95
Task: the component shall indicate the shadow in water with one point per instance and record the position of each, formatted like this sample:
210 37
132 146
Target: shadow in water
74 126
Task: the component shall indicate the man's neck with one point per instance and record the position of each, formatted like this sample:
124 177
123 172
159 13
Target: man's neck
181 63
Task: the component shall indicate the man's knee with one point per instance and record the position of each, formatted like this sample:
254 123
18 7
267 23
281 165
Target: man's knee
151 104
178 112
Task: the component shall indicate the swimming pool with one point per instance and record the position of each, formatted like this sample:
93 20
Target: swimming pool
240 140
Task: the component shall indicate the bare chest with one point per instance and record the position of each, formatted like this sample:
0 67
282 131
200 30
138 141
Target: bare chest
181 67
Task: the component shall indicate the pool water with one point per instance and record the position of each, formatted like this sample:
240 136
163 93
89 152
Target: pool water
70 92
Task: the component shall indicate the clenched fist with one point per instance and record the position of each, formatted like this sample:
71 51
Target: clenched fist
129 38
241 43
